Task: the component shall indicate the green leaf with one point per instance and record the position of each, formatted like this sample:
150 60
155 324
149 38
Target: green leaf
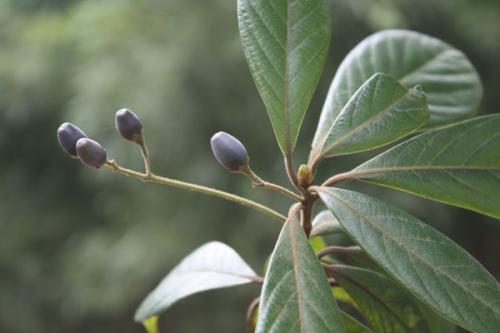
389 307
352 325
427 263
211 266
296 296
380 112
285 43
341 295
317 244
325 224
451 83
458 165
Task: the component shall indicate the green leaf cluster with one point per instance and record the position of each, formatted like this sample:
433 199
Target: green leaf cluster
394 84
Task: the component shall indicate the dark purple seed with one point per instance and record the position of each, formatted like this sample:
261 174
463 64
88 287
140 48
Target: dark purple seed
128 125
229 151
67 135
91 153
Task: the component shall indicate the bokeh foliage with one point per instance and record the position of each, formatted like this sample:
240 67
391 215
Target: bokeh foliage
80 248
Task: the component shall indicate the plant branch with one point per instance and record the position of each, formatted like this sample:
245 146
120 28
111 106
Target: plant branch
307 209
151 177
259 182
305 219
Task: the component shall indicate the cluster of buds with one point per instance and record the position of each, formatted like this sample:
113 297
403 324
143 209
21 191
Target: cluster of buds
77 145
228 150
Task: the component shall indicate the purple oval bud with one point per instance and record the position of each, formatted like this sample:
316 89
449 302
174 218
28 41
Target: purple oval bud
128 125
229 151
67 135
91 153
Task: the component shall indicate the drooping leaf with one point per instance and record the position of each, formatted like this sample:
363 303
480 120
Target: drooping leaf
380 112
388 307
451 83
458 164
427 263
285 43
211 266
353 325
296 296
325 224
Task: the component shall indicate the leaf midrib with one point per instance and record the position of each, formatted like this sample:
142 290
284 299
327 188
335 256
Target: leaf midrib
365 218
360 173
300 292
425 64
219 272
288 146
160 300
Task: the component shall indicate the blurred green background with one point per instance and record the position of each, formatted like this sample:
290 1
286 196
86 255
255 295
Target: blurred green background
80 248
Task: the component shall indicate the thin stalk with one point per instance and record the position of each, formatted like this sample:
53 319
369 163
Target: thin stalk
256 279
252 307
339 178
340 250
259 182
153 178
141 142
290 171
314 160
145 157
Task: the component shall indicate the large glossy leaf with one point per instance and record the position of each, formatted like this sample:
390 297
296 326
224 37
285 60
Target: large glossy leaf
458 165
389 307
451 83
430 265
296 296
211 266
380 112
285 43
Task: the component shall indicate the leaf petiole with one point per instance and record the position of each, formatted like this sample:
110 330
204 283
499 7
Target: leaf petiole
259 182
340 250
